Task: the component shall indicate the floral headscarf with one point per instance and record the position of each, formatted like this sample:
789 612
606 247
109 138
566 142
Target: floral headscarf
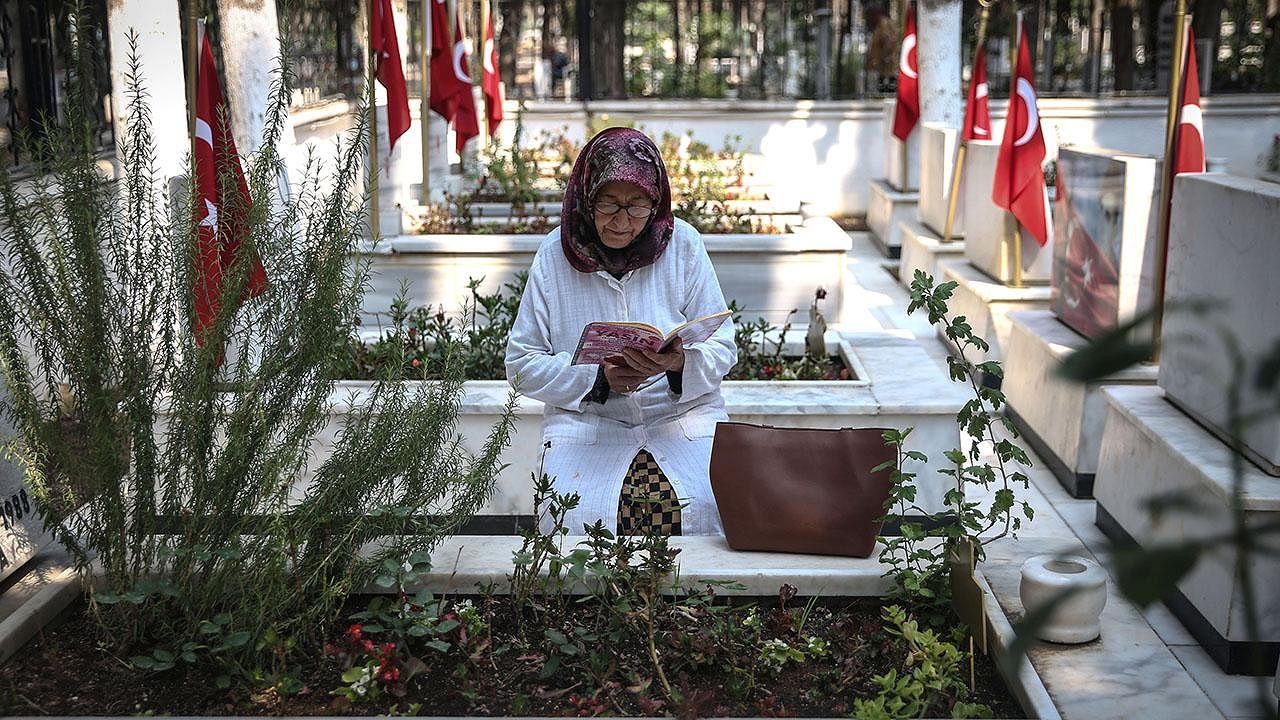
626 155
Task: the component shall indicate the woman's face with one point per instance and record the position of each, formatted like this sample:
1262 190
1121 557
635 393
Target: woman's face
618 228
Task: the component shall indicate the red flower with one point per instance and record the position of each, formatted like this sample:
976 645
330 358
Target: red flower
417 362
367 645
356 631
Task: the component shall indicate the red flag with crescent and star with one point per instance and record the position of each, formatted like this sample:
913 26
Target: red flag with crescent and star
450 80
389 71
490 82
1019 180
977 109
907 110
221 218
1188 139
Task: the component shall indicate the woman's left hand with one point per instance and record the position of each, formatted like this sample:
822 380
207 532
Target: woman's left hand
655 363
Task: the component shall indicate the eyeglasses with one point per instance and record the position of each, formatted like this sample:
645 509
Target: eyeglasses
638 212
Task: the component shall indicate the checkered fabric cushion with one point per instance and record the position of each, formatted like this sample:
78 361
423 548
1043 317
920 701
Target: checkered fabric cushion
648 502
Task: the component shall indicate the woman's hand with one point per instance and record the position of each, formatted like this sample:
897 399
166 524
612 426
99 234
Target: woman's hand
623 378
652 363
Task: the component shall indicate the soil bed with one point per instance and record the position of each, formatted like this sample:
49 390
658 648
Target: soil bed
711 657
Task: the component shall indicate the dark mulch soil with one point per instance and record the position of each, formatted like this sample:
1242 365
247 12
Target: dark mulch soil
73 670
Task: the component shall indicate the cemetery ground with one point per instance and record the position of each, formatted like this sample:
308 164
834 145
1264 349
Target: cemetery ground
1144 664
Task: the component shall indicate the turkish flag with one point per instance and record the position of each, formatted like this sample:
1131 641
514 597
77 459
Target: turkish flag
450 80
1019 181
907 111
1188 138
222 204
977 110
491 83
389 70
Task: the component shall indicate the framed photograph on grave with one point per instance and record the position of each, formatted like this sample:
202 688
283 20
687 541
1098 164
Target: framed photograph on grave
1104 230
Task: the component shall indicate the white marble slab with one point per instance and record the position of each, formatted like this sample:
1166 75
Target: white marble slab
889 207
990 229
938 145
986 305
769 275
923 250
1150 448
898 386
1222 247
463 562
1067 416
1117 677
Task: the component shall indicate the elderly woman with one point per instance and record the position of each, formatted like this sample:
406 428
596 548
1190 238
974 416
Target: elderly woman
631 437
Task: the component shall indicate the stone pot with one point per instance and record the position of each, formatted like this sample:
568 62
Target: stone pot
1075 620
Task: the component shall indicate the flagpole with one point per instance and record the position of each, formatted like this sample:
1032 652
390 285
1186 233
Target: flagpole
957 168
482 32
195 31
902 151
372 92
1017 225
1180 21
424 110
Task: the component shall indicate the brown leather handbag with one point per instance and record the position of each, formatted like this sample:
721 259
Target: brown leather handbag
800 490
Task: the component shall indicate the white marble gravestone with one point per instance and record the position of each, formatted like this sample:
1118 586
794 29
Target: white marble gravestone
924 250
938 144
1061 419
22 533
989 229
886 211
1105 226
1223 247
901 159
1151 449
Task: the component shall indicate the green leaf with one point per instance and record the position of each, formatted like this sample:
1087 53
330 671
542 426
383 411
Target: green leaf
884 466
352 674
438 645
384 581
237 639
144 662
556 636
447 626
1148 575
163 656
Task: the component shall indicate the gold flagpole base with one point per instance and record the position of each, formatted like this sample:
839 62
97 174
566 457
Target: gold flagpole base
1017 255
956 171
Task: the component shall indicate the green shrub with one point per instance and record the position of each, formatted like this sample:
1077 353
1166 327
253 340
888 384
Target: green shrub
183 487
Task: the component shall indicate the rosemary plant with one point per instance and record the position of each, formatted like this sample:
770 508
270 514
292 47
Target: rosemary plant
189 489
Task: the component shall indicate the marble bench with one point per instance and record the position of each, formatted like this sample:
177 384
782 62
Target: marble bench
462 563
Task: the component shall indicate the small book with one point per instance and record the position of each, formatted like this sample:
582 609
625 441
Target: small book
602 341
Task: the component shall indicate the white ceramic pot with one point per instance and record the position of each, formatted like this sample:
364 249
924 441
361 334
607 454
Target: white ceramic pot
1075 620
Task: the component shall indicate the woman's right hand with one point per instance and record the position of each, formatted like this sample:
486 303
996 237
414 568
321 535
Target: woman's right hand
623 378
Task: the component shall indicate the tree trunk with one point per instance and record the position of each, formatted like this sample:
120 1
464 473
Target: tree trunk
512 22
677 67
608 40
1093 78
1206 24
1122 13
547 38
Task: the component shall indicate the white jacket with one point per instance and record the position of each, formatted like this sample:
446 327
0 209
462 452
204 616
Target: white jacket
592 445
